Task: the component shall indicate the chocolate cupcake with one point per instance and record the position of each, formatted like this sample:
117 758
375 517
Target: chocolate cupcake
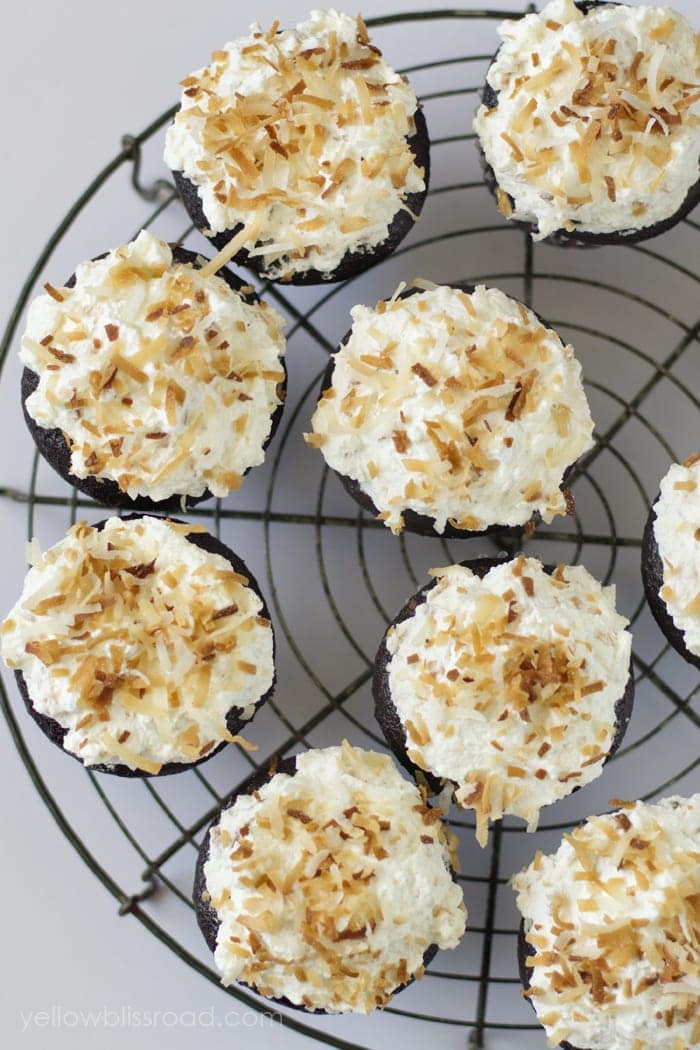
328 886
508 682
300 153
588 127
452 410
149 385
671 558
141 646
609 949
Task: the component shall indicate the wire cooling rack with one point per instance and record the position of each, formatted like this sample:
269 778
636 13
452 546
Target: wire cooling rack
334 577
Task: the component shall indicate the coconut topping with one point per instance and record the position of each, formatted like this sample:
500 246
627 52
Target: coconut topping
614 920
677 534
139 643
461 407
299 136
597 125
506 686
161 380
331 884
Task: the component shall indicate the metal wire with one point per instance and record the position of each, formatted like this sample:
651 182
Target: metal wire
336 703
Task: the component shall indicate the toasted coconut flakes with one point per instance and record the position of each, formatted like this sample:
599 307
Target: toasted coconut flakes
515 149
46 651
424 373
400 440
129 757
537 83
235 738
505 205
53 292
523 118
61 355
246 667
424 284
247 235
126 366
419 465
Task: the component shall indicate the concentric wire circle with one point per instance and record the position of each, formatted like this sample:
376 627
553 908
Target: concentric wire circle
335 577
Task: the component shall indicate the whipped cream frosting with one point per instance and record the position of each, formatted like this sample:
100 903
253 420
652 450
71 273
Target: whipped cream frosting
613 919
300 135
139 643
461 407
677 534
161 380
597 126
507 685
331 884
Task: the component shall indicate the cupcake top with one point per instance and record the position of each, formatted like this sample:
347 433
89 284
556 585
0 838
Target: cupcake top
301 135
331 884
597 125
459 406
161 379
139 643
677 535
613 919
506 685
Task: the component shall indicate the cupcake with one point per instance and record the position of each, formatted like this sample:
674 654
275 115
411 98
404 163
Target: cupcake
671 558
589 127
508 682
140 645
451 411
328 884
609 948
300 153
148 385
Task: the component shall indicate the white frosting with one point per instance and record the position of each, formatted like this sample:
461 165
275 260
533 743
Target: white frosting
170 667
363 854
619 899
677 534
476 713
220 358
304 211
421 414
652 160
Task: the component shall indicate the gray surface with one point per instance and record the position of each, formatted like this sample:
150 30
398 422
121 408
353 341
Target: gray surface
77 77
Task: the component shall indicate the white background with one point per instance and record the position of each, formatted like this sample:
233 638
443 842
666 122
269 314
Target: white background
75 77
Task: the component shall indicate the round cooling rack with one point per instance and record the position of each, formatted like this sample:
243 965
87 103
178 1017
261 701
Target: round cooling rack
334 577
